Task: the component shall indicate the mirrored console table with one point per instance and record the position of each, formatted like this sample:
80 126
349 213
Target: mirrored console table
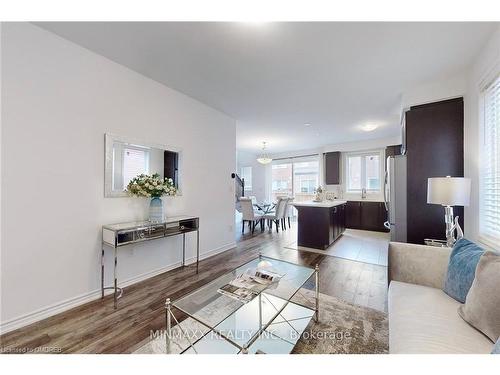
116 236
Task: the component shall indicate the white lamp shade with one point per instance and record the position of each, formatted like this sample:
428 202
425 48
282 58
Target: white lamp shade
448 191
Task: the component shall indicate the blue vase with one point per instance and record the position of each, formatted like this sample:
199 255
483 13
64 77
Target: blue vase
156 210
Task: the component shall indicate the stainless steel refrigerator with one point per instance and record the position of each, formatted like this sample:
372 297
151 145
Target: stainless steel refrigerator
395 197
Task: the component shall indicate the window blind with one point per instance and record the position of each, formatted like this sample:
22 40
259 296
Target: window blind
135 162
490 164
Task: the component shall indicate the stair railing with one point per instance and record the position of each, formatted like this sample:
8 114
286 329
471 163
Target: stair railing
239 190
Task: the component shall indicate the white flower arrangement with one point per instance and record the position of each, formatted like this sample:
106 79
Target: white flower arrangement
151 186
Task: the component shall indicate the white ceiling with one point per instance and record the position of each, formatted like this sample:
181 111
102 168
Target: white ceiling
275 77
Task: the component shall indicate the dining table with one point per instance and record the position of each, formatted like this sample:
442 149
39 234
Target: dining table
265 207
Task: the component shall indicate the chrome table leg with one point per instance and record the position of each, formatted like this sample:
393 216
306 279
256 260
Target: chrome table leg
183 249
316 274
168 311
197 249
115 296
102 272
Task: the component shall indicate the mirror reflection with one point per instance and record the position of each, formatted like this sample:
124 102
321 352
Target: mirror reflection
127 159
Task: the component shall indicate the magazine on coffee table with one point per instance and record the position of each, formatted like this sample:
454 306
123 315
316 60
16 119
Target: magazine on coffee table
249 284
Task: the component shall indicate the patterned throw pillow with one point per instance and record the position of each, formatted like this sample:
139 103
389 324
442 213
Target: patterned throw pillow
462 269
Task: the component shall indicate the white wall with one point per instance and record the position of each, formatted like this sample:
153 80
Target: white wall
58 100
436 90
485 66
371 144
262 174
248 159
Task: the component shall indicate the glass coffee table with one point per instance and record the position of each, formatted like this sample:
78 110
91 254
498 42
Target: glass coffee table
269 323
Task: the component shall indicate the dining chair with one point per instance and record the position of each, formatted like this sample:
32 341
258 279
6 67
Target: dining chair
277 215
282 218
255 205
272 210
289 211
250 216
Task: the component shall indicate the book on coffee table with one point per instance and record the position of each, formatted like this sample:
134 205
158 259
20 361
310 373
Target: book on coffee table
249 284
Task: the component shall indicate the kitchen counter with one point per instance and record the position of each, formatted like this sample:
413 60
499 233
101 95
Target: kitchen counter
380 200
320 223
323 204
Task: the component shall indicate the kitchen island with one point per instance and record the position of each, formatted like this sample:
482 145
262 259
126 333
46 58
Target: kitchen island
320 224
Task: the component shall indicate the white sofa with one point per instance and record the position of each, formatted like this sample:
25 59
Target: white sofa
422 318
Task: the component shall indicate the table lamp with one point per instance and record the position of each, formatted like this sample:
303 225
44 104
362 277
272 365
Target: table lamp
449 191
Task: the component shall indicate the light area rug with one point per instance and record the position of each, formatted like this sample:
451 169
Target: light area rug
343 328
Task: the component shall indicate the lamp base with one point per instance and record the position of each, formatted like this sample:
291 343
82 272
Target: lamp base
451 225
448 219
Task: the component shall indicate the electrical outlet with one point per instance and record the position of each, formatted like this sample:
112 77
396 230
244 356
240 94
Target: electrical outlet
231 228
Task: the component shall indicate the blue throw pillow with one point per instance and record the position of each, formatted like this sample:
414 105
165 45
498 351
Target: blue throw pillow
462 269
496 348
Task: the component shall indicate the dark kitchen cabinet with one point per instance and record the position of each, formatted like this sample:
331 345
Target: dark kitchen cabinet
337 221
353 215
319 227
434 148
394 150
383 216
342 218
373 216
366 216
332 168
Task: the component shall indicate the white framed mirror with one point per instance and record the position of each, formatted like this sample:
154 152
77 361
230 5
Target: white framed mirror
125 158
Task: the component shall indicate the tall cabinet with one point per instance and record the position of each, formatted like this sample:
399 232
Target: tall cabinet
434 146
332 168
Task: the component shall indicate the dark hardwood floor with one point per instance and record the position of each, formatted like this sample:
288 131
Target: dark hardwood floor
96 327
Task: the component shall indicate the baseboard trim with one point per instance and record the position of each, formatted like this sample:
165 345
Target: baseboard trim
211 253
59 307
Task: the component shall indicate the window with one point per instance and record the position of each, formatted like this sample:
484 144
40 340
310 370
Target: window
246 174
364 171
128 162
308 186
281 180
489 221
135 162
297 177
306 179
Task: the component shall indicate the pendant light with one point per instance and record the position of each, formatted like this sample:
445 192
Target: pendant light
264 157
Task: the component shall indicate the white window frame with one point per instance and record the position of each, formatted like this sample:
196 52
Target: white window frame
485 236
248 186
364 154
291 160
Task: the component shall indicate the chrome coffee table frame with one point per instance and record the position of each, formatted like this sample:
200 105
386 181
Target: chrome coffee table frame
244 349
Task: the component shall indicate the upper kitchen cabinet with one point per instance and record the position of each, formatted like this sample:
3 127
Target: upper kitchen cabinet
393 150
332 168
